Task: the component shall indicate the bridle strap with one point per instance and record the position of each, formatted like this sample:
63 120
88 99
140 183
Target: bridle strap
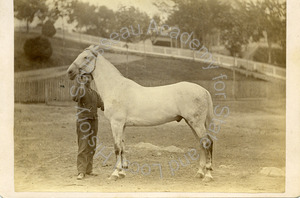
95 56
94 53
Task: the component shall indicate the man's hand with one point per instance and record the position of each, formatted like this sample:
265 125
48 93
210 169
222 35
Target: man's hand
100 103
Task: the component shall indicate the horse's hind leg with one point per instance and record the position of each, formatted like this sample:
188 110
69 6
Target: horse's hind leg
209 151
199 131
123 157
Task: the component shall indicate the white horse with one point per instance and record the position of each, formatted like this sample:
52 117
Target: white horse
127 103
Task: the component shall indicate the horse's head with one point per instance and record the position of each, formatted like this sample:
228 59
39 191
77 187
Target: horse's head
84 63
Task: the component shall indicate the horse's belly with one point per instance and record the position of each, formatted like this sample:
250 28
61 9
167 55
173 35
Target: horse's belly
151 117
151 121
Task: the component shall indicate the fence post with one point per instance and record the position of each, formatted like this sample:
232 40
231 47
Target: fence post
194 55
46 92
234 61
233 84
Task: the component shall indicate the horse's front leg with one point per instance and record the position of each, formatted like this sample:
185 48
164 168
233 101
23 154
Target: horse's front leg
122 173
117 131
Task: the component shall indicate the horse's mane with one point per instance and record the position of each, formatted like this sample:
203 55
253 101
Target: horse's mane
111 66
103 60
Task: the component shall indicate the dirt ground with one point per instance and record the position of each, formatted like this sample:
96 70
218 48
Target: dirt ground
253 137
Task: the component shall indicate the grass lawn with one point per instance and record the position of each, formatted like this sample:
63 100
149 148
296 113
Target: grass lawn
173 70
142 69
59 56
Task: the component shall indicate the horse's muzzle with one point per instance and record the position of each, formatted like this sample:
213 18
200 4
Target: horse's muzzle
71 74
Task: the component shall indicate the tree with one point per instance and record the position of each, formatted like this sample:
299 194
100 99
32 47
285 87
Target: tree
48 29
233 40
57 9
82 13
200 17
235 29
27 10
134 21
165 8
98 21
270 18
104 22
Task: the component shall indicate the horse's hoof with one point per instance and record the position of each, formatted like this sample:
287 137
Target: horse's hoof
207 179
125 166
122 174
199 175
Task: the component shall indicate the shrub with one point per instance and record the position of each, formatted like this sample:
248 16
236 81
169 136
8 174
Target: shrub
38 48
261 55
278 56
48 29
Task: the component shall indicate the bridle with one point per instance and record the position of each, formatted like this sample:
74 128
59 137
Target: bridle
95 56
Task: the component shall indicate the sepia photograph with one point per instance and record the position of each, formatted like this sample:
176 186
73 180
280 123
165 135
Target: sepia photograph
169 96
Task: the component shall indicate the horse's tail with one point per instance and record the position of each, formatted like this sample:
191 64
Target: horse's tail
209 121
210 112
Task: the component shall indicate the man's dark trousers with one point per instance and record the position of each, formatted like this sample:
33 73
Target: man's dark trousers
86 146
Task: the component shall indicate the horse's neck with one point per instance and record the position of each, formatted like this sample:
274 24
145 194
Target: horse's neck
106 76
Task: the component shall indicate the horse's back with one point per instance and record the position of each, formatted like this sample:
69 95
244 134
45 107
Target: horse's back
177 92
188 90
173 98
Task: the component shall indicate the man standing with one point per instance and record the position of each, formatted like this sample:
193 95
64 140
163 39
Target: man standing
88 101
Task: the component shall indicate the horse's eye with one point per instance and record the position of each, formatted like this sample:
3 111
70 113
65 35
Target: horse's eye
85 57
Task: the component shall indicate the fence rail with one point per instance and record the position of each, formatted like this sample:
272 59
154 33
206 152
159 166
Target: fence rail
222 60
58 89
43 90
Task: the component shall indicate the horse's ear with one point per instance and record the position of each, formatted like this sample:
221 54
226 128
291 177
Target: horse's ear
96 47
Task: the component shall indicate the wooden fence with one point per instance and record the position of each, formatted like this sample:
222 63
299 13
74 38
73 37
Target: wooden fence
222 60
43 90
58 89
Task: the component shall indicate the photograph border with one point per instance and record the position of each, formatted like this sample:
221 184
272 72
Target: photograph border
7 116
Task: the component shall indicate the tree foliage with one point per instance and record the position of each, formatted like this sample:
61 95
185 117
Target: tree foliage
48 29
135 21
200 17
235 31
237 22
28 9
58 9
83 13
104 22
269 17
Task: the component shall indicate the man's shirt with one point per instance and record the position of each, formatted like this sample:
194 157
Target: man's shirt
88 99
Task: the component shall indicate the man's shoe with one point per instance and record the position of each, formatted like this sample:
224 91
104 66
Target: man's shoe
80 176
92 174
